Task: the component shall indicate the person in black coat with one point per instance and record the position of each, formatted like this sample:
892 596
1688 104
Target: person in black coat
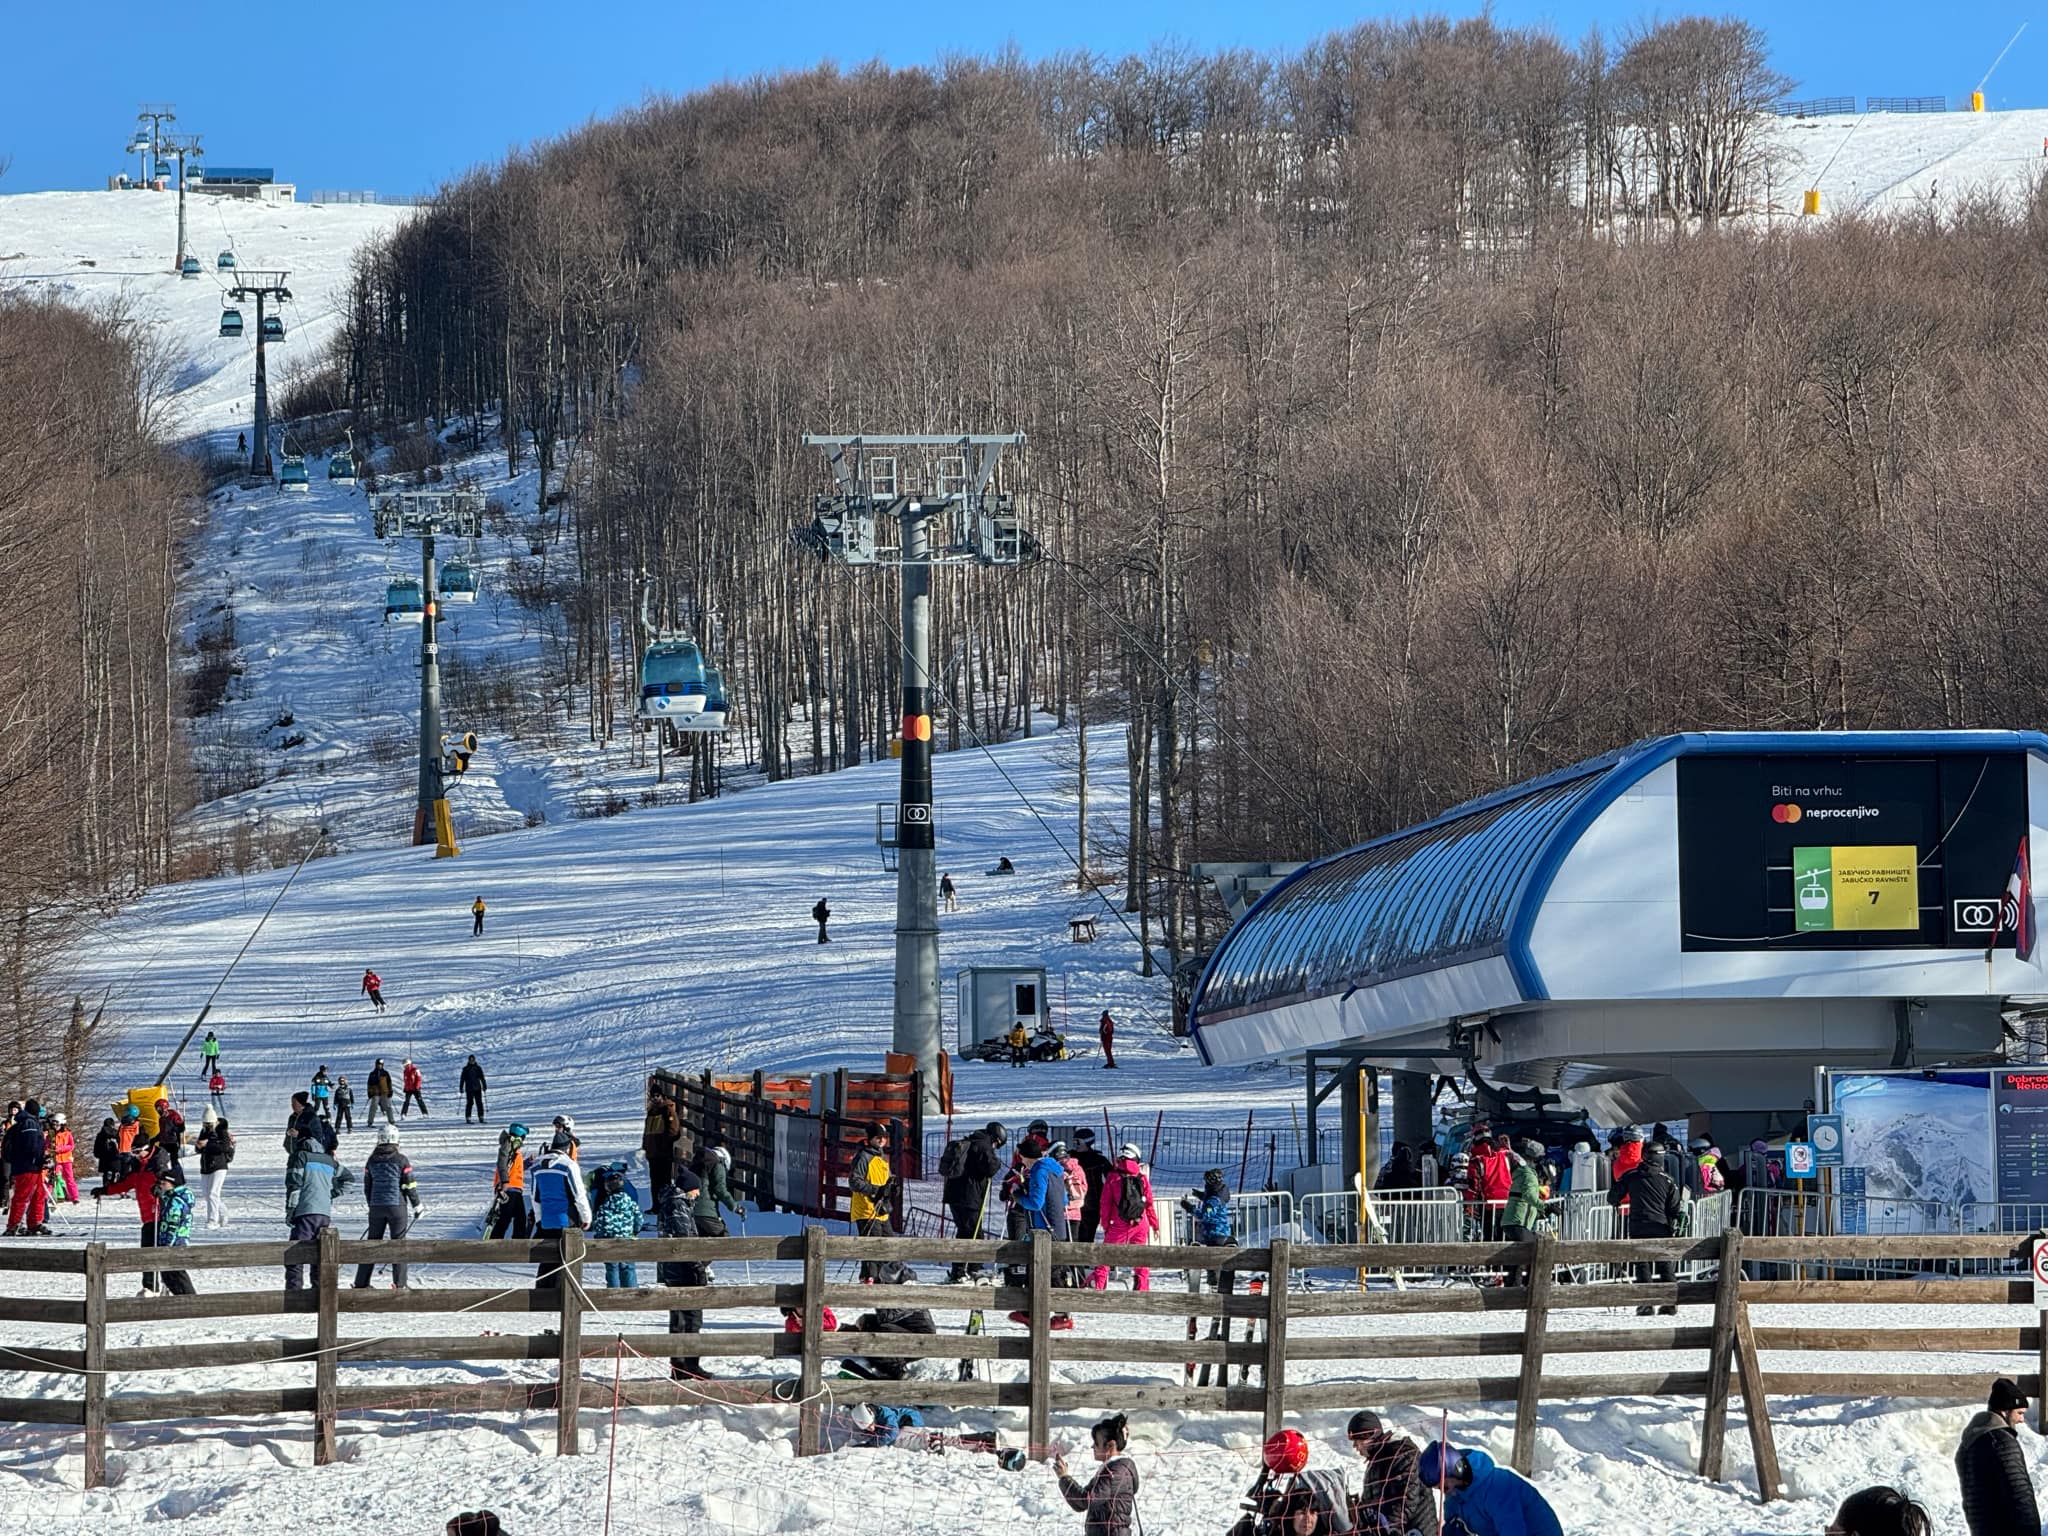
1998 1495
888 1320
473 1086
966 1192
1655 1205
1095 1169
675 1216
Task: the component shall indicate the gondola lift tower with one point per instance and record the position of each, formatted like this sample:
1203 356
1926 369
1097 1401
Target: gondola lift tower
951 514
427 516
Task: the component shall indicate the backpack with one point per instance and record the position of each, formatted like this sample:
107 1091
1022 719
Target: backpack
1130 1200
953 1161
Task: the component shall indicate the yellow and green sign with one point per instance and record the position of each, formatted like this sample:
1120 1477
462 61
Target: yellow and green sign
1856 887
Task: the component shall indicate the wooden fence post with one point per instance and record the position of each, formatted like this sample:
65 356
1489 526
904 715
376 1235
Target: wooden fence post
811 1372
1273 1377
569 1368
1762 1444
326 1336
1038 1432
96 1365
1727 1297
1542 1262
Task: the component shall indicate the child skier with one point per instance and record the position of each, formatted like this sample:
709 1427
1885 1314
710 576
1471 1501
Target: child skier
63 1147
618 1216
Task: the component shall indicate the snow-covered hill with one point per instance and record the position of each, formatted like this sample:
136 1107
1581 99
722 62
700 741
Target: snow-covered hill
89 247
1888 162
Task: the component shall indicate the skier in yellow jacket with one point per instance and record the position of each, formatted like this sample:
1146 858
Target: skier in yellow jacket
872 1185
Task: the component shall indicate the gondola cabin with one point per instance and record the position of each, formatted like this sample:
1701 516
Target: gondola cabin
231 322
189 267
403 603
672 681
713 717
341 466
273 328
291 472
224 262
458 582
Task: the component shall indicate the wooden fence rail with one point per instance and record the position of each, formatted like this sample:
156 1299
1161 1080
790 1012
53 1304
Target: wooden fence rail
1252 1330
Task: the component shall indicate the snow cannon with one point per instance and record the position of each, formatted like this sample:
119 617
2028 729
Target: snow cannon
1811 204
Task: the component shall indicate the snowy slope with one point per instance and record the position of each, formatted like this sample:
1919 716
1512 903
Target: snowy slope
88 247
1890 162
305 578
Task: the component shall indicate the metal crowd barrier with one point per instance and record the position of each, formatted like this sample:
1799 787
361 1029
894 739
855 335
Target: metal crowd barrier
1257 1218
1796 1213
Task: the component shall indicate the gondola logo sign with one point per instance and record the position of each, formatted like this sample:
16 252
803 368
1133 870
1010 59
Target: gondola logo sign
1849 887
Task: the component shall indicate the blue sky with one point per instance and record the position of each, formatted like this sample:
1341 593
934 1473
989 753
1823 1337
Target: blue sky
405 95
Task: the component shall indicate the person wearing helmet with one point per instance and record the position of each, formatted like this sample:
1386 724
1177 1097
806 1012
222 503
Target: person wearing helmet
1486 1500
1393 1496
1128 1214
393 1196
1108 1505
508 1186
968 1166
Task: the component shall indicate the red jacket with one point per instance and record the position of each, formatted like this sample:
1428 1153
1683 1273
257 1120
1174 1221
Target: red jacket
371 982
1626 1156
1496 1176
412 1078
141 1184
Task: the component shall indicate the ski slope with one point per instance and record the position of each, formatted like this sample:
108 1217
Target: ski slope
93 247
1889 162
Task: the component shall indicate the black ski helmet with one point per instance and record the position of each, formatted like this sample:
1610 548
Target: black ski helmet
997 1135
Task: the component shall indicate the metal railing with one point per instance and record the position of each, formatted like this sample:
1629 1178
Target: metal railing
1256 1219
1403 1216
1816 106
1796 1213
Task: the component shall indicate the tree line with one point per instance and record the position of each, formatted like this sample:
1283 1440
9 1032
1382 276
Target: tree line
92 507
1407 416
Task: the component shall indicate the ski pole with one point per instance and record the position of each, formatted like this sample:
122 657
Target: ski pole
747 1264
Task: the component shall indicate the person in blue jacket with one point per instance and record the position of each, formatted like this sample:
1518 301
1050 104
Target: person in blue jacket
1484 1499
1042 1197
554 1194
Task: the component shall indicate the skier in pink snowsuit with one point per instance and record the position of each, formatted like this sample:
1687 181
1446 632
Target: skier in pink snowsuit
1118 1226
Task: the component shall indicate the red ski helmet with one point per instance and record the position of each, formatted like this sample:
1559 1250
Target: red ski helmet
1286 1451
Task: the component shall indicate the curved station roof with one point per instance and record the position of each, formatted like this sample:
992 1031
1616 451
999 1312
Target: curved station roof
1654 915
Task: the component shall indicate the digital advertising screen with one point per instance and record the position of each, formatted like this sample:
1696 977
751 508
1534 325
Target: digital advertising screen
1840 852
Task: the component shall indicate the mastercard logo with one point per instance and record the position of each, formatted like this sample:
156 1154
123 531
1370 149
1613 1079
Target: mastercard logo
1785 813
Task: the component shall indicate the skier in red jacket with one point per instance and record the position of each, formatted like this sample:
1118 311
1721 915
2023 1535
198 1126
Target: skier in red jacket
373 988
412 1093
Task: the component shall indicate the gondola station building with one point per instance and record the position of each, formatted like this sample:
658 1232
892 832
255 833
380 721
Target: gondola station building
1683 929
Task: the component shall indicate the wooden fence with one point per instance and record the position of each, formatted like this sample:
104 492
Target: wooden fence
1727 1347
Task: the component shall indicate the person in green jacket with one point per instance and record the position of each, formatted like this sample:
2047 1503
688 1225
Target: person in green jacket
1525 1201
714 1190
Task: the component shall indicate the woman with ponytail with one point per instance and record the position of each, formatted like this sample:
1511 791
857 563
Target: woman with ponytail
1110 1501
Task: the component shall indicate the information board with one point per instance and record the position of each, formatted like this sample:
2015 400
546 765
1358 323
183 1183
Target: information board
2020 1124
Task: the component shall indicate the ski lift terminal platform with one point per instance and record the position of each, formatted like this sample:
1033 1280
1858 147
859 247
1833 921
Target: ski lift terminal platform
1688 926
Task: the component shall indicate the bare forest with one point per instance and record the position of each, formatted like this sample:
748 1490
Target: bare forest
1409 416
91 509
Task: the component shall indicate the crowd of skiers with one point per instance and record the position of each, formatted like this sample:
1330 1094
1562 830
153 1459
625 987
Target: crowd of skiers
1506 1184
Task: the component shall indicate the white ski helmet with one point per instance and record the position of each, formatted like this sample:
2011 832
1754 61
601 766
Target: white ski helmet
387 1135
